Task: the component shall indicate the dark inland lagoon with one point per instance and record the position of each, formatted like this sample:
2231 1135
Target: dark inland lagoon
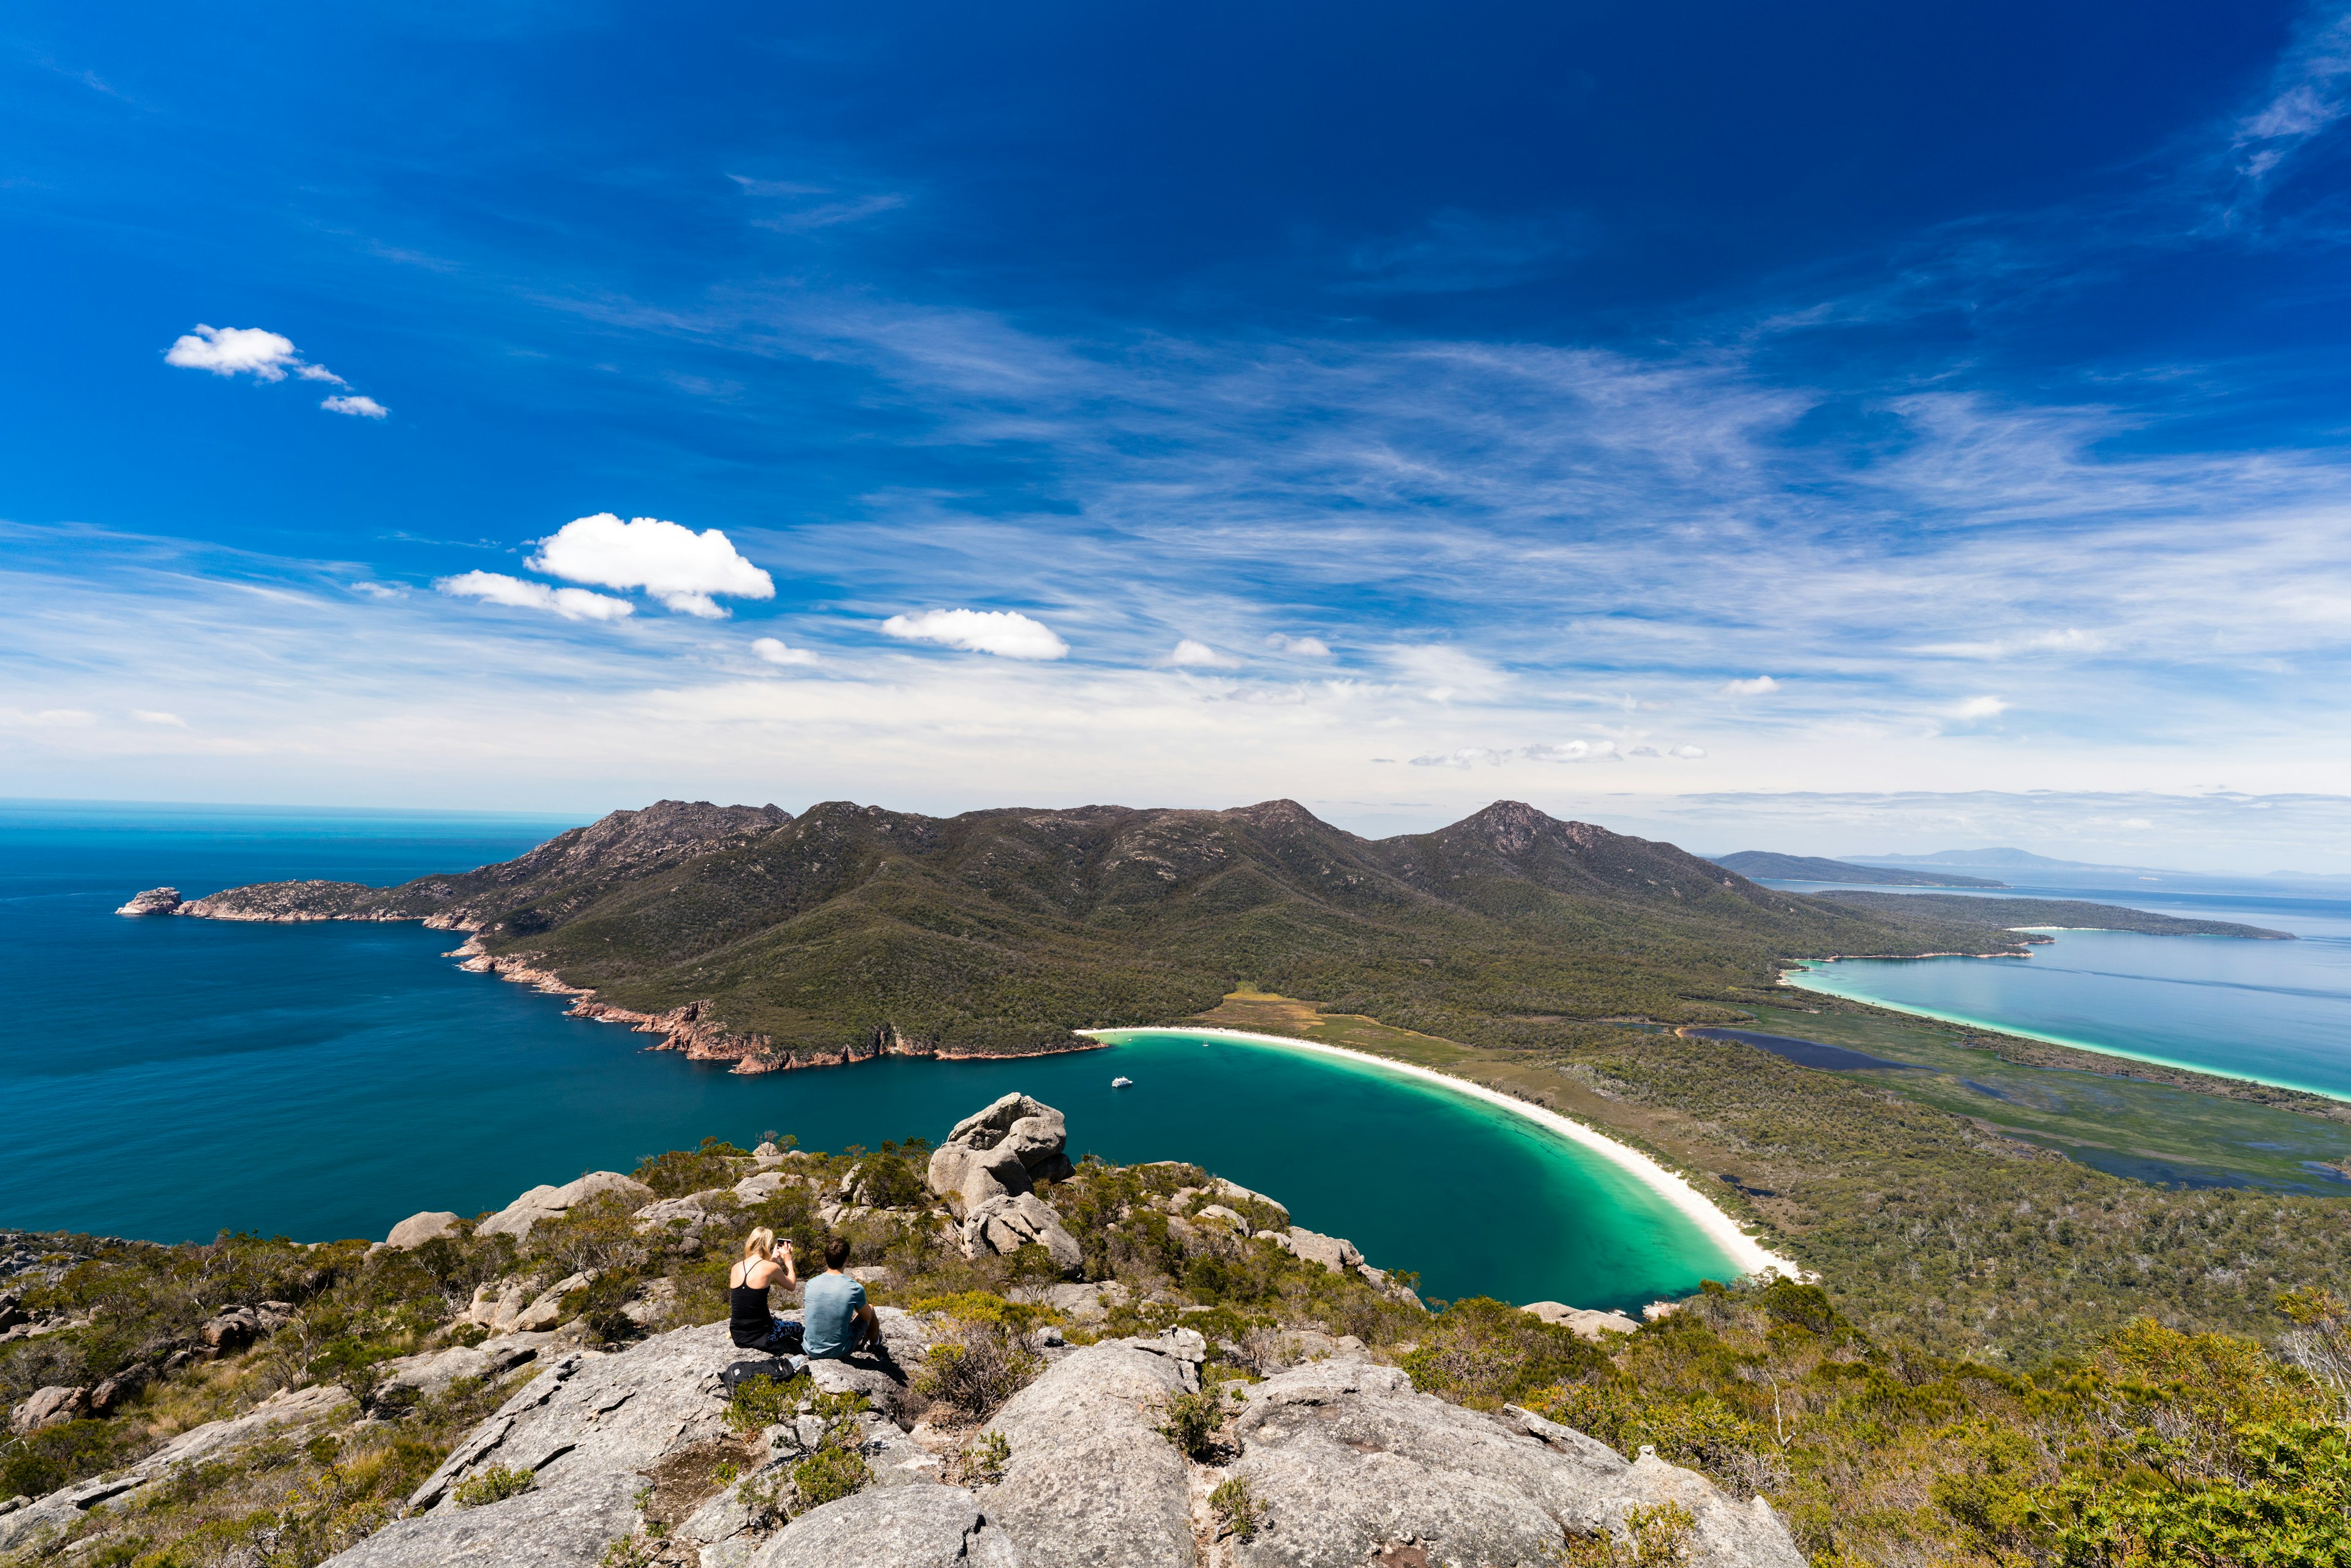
168 1078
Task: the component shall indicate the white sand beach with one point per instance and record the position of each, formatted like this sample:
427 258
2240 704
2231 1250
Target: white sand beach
1750 1255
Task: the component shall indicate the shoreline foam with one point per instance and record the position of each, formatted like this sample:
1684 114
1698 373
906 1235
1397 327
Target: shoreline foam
1712 1222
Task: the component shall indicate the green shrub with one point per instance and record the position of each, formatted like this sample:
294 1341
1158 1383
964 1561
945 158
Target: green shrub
1659 1536
1193 1420
757 1403
40 1462
987 1307
888 1181
494 1484
976 1371
983 1459
830 1474
629 1551
680 1171
1484 1353
1236 1506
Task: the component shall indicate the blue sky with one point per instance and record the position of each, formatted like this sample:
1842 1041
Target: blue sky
1873 428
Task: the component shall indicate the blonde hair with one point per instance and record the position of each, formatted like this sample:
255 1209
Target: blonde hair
760 1243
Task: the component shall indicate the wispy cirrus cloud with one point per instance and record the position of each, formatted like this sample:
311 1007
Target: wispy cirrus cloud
519 594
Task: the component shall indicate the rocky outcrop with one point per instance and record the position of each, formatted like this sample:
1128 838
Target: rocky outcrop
587 1429
154 901
234 1328
48 1407
893 1527
1348 1460
418 1228
988 1170
1001 1152
520 1305
1585 1321
1005 1225
433 1372
517 1219
1091 1481
691 1212
1335 1253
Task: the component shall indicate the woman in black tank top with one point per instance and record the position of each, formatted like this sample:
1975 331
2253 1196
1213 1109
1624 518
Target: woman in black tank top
751 1323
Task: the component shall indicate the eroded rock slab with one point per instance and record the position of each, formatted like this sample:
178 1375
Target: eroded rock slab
1349 1459
918 1526
589 1428
1091 1482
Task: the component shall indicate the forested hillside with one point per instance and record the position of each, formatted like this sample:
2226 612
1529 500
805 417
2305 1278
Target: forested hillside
1005 930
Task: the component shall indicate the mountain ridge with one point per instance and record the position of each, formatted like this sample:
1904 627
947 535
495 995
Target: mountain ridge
774 940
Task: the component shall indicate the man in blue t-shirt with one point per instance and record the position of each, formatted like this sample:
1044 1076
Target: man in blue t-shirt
836 1320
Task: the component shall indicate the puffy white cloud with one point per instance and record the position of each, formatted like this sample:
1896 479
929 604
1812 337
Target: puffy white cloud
380 590
233 351
572 603
149 715
677 566
1750 688
1691 752
357 403
773 649
245 350
1304 647
1192 651
1979 708
1468 757
1007 633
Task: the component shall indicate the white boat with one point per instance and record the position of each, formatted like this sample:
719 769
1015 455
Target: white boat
1122 1083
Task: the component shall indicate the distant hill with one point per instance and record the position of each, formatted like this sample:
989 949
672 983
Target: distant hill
2017 858
853 927
2059 914
1814 868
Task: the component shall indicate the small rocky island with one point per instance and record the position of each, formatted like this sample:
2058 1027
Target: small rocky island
1084 1364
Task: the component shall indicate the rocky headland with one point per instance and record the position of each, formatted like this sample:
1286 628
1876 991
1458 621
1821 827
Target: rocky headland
1067 1378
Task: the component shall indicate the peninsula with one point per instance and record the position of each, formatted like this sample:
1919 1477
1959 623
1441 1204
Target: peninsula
745 934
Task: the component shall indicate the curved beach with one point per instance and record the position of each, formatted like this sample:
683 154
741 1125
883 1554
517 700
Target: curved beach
1750 1256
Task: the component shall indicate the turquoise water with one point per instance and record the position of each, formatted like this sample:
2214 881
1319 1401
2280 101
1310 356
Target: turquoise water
2277 1012
167 1077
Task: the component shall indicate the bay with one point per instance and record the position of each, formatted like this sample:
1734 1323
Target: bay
169 1078
2274 1012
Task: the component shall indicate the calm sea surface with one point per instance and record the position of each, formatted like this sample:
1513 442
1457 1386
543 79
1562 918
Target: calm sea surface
168 1078
2278 1012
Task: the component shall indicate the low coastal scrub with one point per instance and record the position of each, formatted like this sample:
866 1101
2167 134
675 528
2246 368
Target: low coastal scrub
2150 1444
2160 1449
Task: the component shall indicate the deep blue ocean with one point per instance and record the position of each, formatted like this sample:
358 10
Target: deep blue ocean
170 1077
2276 1011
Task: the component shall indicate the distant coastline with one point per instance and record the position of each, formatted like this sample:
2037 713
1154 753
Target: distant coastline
1712 1222
1793 978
